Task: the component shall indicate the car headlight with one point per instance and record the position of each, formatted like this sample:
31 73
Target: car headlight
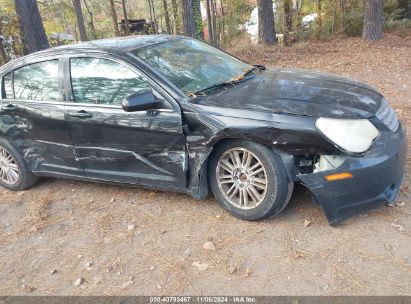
351 135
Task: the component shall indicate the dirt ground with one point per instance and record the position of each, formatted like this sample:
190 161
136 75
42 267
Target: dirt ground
126 241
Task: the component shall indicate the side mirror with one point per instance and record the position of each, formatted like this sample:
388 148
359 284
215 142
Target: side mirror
140 101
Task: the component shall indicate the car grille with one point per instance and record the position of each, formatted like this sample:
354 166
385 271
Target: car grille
387 115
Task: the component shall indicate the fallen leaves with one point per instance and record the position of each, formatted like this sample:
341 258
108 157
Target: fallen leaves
200 266
131 227
78 282
387 247
398 227
127 284
232 269
209 246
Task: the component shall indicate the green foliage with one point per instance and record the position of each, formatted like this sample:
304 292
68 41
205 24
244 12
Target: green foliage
58 16
354 22
9 28
335 19
197 18
396 14
395 19
398 24
236 12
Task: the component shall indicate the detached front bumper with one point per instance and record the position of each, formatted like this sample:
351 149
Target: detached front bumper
377 177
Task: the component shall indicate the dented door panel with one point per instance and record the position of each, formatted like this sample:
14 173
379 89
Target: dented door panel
39 131
145 148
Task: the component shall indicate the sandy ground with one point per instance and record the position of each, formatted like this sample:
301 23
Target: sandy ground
126 241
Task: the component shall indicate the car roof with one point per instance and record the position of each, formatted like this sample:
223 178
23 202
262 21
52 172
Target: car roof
120 43
111 45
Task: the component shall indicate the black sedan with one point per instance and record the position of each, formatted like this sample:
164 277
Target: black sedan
173 113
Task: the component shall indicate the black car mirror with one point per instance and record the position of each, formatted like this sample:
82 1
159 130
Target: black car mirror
140 101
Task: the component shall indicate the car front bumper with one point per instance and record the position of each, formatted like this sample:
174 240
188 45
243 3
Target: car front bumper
377 177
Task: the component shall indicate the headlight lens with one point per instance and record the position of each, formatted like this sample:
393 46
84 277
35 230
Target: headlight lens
352 135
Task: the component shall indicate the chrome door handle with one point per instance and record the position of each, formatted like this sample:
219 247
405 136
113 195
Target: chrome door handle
9 108
80 114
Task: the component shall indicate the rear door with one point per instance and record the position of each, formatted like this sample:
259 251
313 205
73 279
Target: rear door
145 147
32 117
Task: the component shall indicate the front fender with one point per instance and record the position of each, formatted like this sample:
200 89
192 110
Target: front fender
287 134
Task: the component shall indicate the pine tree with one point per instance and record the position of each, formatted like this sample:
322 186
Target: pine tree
373 20
31 26
266 25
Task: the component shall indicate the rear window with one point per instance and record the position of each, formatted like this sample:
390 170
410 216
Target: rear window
37 81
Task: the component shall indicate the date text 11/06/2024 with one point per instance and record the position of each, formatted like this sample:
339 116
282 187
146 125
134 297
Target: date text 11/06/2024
203 299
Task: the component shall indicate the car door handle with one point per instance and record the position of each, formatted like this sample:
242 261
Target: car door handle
80 114
9 108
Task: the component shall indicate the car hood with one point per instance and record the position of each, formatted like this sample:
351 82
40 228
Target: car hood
299 92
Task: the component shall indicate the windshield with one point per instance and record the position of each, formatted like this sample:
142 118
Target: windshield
192 65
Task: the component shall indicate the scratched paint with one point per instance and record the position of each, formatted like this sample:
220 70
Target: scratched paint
170 149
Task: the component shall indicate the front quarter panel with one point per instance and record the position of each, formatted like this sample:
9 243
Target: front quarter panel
207 126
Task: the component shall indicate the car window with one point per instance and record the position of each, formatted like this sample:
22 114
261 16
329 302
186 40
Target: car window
37 81
103 81
191 65
8 87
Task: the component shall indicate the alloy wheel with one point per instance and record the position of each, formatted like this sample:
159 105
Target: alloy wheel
242 178
9 171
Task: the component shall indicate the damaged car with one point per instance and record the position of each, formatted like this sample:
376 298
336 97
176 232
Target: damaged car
176 114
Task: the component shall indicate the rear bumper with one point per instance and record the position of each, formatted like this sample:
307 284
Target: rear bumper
377 177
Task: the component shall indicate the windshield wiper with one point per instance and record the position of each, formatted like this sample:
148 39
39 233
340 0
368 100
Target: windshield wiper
232 82
260 67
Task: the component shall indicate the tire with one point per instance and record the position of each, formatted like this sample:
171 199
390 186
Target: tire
273 195
25 178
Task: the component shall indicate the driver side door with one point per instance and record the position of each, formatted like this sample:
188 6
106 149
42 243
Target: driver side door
143 147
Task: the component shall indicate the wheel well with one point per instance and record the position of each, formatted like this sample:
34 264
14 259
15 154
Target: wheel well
287 158
199 180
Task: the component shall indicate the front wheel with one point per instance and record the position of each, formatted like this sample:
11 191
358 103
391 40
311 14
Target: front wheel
249 180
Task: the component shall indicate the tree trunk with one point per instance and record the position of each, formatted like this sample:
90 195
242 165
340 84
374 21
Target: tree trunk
209 23
266 25
343 8
126 26
222 18
33 35
3 54
197 19
153 18
4 58
214 21
167 17
373 20
114 17
188 20
151 13
175 17
319 17
287 22
299 13
80 20
334 17
91 23
153 29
